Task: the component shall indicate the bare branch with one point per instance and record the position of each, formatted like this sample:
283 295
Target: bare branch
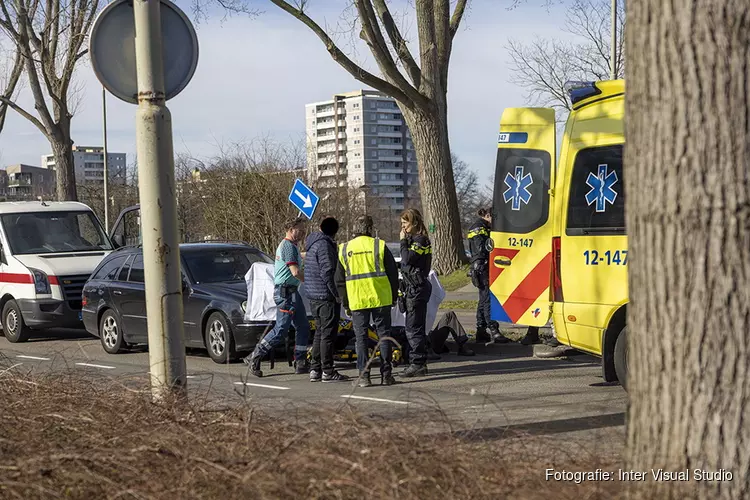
458 14
341 58
398 42
18 109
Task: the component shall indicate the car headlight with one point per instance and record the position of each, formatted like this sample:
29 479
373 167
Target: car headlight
244 306
41 282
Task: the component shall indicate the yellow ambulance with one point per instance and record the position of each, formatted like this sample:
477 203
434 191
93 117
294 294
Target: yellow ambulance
559 247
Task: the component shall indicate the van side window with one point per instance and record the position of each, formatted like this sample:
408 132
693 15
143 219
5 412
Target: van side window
110 268
521 194
123 276
597 193
136 270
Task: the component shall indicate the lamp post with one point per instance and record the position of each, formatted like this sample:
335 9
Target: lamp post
613 48
106 160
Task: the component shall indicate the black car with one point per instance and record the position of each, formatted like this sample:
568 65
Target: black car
214 291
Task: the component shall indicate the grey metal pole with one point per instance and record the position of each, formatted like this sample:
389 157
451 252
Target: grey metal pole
156 187
106 161
613 42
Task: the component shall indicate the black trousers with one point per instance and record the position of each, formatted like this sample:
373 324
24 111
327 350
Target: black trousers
416 321
327 315
448 325
381 319
484 319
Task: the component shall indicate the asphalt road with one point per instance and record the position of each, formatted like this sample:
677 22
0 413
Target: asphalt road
501 388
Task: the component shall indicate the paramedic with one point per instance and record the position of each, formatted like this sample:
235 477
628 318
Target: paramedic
478 235
287 279
367 281
416 261
320 287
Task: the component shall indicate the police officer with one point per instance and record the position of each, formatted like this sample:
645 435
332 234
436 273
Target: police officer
367 281
478 235
416 261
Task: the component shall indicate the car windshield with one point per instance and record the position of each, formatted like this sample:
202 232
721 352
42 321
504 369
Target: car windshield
54 232
214 265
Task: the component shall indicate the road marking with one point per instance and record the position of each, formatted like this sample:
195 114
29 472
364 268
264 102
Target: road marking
96 366
33 357
264 386
376 399
191 376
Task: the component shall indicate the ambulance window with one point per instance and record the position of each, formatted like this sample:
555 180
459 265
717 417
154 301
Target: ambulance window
597 193
521 194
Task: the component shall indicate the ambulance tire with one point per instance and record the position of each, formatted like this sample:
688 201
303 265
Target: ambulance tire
621 358
14 328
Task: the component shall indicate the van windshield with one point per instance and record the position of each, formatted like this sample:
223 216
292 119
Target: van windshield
54 232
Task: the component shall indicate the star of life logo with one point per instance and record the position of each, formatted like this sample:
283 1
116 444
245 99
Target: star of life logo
602 191
518 188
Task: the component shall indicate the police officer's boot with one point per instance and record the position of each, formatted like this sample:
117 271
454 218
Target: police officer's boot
253 361
482 335
414 371
301 366
497 337
531 337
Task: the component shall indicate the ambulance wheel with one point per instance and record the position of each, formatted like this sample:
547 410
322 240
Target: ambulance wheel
13 325
621 358
219 339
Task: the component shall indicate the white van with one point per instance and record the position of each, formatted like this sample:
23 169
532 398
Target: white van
47 252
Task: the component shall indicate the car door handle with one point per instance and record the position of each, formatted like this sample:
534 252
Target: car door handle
502 261
117 292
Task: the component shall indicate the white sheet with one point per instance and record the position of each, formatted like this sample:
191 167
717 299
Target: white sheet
262 307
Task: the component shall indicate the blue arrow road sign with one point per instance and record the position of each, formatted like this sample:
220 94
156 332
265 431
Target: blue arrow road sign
304 198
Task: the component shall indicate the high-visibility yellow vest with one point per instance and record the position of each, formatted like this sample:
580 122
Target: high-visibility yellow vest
367 284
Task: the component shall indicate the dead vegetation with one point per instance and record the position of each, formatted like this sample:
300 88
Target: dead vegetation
67 435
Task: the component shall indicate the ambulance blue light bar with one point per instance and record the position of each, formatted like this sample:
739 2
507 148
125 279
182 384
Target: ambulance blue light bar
578 91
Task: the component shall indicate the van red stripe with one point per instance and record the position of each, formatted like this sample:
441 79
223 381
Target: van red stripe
529 290
16 278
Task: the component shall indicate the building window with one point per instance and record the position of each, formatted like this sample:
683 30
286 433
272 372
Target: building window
356 141
374 142
374 154
356 105
373 116
356 117
374 178
356 129
373 104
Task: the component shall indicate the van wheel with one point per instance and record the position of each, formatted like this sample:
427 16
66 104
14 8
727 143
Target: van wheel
110 333
219 339
621 358
13 325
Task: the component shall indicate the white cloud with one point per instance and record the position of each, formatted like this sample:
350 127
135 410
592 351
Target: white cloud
255 76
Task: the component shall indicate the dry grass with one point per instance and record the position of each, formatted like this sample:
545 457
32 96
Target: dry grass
67 435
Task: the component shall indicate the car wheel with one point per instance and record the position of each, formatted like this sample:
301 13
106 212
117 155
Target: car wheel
621 358
219 339
110 333
13 325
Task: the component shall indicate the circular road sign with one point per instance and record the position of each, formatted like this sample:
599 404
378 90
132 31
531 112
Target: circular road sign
112 49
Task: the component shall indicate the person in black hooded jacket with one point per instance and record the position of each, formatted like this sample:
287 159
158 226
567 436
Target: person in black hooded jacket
478 235
320 266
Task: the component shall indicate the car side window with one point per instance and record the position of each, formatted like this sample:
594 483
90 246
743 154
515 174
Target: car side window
123 276
108 271
136 270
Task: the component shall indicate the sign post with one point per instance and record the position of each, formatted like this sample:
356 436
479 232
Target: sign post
133 69
304 199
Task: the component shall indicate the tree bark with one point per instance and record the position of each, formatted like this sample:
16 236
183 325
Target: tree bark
688 217
429 132
65 176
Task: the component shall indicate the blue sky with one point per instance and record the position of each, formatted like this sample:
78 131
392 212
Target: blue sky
255 76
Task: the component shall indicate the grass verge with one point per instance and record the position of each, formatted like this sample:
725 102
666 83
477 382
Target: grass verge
73 436
455 280
469 305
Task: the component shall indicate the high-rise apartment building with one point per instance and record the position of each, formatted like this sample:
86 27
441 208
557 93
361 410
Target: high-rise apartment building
360 139
89 165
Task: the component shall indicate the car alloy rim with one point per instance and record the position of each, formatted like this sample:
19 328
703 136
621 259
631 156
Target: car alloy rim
11 321
216 337
110 332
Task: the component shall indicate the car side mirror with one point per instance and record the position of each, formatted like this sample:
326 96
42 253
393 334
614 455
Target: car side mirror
186 286
3 260
118 240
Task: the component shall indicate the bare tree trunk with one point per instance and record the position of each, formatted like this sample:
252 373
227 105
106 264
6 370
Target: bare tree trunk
429 131
65 169
688 182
